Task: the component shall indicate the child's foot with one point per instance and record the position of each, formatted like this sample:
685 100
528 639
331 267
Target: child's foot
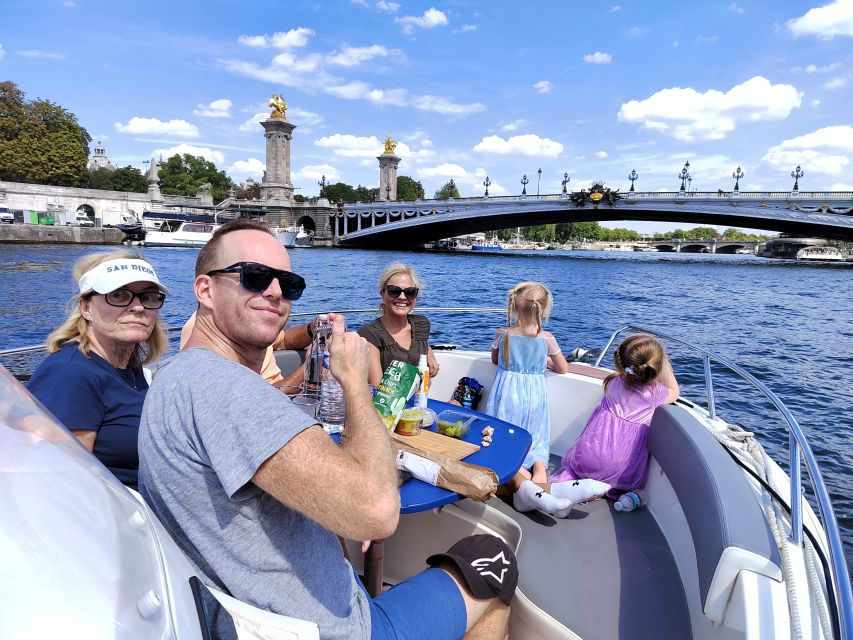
530 497
579 490
540 476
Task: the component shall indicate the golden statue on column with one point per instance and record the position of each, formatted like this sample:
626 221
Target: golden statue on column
390 145
279 108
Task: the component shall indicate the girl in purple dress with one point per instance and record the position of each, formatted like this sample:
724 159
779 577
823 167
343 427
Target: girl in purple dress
612 447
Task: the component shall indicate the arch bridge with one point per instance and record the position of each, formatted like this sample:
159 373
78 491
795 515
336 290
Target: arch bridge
827 214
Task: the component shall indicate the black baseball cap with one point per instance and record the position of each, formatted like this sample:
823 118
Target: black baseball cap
487 564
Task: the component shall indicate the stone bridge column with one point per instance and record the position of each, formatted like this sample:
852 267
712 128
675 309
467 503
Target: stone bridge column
276 183
388 176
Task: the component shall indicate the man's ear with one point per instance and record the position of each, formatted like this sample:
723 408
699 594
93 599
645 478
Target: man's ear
203 291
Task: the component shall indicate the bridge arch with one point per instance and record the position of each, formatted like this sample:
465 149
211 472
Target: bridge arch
307 222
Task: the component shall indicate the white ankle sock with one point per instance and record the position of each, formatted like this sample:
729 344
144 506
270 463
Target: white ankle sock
529 497
579 490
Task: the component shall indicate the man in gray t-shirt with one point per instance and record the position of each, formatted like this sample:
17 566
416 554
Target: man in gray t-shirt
255 492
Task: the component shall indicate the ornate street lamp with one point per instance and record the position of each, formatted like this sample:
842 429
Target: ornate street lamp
487 183
322 184
689 183
524 182
566 180
796 174
632 178
538 179
684 175
737 175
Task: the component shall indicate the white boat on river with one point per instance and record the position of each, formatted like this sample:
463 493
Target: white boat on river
727 547
820 254
180 233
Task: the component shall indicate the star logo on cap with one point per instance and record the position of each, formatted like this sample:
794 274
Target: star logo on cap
488 566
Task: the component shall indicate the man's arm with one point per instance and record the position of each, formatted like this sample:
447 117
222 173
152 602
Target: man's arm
350 489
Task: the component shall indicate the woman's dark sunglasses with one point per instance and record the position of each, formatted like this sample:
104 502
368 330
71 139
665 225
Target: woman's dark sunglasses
394 291
256 277
123 298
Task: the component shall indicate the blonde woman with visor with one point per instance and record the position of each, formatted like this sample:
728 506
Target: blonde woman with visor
92 381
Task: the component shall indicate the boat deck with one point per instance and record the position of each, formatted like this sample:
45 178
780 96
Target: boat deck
622 575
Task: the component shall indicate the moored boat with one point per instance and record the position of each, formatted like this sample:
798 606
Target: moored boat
720 551
178 233
820 254
304 238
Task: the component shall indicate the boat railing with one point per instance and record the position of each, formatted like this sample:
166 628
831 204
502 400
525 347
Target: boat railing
799 450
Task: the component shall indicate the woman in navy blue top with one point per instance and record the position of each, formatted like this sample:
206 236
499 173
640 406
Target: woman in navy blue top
92 381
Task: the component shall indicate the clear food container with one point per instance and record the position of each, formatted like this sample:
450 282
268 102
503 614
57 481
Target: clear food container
453 423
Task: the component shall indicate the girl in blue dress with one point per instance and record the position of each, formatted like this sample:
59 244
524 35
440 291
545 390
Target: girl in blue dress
523 350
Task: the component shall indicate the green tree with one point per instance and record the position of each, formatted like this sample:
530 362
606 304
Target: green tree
702 233
579 231
340 192
408 189
42 142
129 179
251 190
101 178
448 190
183 175
365 194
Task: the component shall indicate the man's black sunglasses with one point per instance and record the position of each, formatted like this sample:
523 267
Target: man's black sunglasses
394 291
257 277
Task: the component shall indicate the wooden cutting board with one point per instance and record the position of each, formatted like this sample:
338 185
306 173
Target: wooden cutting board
451 448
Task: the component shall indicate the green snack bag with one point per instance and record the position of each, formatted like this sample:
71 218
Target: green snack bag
398 384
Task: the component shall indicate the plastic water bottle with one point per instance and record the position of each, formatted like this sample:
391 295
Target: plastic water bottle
631 500
423 389
331 394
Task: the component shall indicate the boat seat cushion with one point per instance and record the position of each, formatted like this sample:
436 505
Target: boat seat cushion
726 521
288 360
600 573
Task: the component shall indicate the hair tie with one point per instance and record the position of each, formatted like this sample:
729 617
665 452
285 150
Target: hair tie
629 370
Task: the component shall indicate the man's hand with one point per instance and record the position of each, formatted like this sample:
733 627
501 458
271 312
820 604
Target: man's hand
348 355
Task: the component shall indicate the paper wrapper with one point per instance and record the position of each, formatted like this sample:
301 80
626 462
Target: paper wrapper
470 480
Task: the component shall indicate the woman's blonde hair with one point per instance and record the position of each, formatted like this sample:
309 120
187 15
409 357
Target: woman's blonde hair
640 359
76 327
392 270
528 303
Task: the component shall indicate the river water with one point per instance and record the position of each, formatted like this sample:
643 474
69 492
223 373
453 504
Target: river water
789 324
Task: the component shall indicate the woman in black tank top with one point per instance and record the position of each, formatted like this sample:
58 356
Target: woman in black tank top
398 334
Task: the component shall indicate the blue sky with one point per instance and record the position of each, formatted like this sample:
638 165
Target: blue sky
468 89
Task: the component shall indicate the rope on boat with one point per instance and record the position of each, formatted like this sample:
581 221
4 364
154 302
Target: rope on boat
743 444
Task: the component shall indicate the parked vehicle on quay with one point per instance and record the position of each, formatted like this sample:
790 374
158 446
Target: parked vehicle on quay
726 547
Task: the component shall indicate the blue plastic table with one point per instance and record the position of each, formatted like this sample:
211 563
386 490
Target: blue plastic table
510 445
504 456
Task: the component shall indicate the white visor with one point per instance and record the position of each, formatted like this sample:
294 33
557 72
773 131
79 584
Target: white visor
114 274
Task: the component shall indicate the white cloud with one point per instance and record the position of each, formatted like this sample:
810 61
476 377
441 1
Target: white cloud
685 114
614 8
38 53
813 68
543 86
823 151
316 172
350 146
514 125
706 39
354 56
444 106
388 7
601 154
528 145
736 8
826 22
292 39
216 157
465 28
815 103
249 168
217 109
432 17
304 118
446 170
599 57
153 126
2 53
841 186
252 124
835 83
70 4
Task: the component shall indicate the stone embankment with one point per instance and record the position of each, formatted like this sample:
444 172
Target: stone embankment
46 234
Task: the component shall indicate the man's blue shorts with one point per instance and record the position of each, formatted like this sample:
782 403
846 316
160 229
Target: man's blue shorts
427 606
